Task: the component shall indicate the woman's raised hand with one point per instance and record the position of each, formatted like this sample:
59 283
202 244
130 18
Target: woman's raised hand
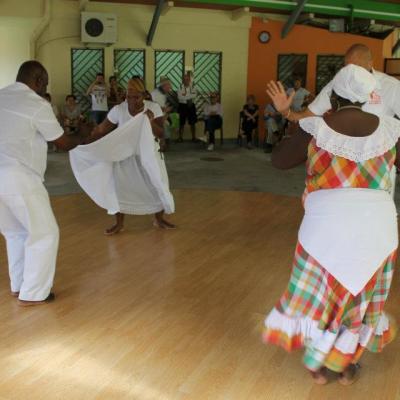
281 100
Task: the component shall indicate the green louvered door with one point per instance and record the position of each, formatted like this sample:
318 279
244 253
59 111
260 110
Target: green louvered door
171 64
85 65
129 63
207 76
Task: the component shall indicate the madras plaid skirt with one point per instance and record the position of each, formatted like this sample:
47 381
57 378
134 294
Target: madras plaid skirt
316 312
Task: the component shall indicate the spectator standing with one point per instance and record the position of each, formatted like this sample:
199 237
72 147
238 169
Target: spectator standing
300 97
187 108
98 93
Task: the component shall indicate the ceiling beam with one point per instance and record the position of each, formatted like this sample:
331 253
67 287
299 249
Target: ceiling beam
154 22
83 4
239 13
293 18
368 9
168 6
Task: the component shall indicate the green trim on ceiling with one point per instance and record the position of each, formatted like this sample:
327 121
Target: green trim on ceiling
341 8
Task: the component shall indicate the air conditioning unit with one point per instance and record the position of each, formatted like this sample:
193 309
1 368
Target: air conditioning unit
98 28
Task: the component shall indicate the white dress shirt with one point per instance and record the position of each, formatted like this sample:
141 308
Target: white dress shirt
384 102
187 94
27 124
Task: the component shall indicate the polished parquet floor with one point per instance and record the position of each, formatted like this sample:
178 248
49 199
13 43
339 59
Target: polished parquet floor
176 315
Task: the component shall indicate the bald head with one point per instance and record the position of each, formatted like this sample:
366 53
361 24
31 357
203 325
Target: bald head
359 54
34 75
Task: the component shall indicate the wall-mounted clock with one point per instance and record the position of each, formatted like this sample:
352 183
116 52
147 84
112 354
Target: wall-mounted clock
264 37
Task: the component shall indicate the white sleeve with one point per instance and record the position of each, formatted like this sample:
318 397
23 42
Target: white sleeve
113 115
396 99
45 122
156 109
322 103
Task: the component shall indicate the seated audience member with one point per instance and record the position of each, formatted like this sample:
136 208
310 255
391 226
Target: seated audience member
187 108
212 119
71 115
116 93
273 126
300 95
250 114
47 96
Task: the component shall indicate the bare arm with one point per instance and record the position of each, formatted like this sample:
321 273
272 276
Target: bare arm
101 130
282 102
90 88
291 152
67 142
157 125
397 161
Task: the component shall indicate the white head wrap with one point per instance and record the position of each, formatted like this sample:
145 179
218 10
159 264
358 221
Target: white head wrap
354 83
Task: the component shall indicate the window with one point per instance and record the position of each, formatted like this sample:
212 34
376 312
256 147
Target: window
170 64
129 63
85 65
327 67
207 70
290 67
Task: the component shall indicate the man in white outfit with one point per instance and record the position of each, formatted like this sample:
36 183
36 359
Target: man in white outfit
384 102
26 218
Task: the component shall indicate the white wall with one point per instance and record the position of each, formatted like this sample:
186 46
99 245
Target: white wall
15 33
181 29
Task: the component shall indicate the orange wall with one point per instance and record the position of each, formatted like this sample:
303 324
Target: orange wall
263 58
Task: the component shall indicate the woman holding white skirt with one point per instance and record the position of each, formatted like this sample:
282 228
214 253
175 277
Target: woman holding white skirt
123 170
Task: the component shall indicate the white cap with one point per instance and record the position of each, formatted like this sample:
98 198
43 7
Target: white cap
354 83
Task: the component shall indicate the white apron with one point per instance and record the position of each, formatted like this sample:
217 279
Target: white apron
350 232
124 171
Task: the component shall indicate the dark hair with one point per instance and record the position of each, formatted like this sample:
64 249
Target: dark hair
100 74
341 101
30 71
47 96
111 78
69 96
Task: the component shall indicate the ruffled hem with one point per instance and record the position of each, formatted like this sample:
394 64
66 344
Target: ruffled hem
335 350
357 149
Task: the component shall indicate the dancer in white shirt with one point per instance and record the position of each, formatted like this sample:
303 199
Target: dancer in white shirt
384 101
130 172
26 218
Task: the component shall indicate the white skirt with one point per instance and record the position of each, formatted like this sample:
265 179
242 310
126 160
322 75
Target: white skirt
124 171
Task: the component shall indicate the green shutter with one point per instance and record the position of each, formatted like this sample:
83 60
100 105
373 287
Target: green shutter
129 63
207 76
171 64
85 65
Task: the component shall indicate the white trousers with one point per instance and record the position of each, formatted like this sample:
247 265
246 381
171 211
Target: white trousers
28 224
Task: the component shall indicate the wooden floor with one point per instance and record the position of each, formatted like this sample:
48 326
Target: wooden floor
153 315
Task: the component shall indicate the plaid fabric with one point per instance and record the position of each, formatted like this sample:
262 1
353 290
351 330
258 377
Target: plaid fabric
314 294
326 171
